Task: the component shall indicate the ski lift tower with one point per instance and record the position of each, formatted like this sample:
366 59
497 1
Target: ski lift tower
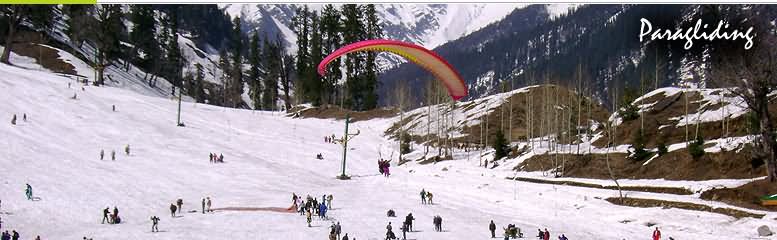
344 141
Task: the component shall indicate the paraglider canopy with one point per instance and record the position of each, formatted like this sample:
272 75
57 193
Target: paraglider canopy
421 56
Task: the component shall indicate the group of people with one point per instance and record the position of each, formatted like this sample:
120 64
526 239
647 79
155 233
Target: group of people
437 223
311 206
12 236
546 235
113 153
330 139
383 167
111 218
13 119
426 197
216 158
335 230
177 207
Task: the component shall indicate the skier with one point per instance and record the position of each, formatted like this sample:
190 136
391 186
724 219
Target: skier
423 196
154 223
106 211
172 209
492 228
28 192
429 197
127 149
203 206
656 234
113 155
102 154
546 235
180 205
13 120
409 221
208 203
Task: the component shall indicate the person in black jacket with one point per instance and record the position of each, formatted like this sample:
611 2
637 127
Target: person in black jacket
173 208
492 228
409 221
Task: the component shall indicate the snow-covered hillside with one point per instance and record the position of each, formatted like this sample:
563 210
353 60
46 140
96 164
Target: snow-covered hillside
267 158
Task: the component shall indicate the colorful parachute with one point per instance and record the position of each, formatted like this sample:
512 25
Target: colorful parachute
429 60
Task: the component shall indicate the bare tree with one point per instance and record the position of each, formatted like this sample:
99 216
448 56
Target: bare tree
751 74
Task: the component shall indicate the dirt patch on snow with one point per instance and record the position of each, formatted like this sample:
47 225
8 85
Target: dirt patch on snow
675 165
335 112
747 196
648 203
669 190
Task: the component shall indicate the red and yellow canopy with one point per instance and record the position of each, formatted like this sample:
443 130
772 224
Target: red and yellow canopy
421 56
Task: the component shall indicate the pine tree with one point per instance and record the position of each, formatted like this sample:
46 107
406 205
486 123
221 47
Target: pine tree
107 34
226 74
301 26
331 27
235 84
254 77
271 75
500 145
314 89
78 22
373 31
174 57
143 36
353 31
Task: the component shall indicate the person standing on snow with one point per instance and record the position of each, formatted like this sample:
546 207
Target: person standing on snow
338 229
154 223
492 228
106 211
423 196
656 234
540 234
13 120
180 205
322 210
329 200
28 192
409 221
127 149
345 237
113 155
309 216
208 204
172 210
546 235
102 154
115 214
15 235
203 206
429 197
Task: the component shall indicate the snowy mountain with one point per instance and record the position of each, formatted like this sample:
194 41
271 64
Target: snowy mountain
429 25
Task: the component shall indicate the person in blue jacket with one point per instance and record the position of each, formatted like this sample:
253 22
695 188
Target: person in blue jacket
322 210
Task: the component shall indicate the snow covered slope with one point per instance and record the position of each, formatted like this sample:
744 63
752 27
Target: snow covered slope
267 157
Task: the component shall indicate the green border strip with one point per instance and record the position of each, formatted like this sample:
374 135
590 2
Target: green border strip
49 1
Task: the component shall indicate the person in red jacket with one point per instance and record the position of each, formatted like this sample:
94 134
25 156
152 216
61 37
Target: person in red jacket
546 236
656 234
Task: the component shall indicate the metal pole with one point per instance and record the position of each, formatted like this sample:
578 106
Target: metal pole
179 107
345 146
